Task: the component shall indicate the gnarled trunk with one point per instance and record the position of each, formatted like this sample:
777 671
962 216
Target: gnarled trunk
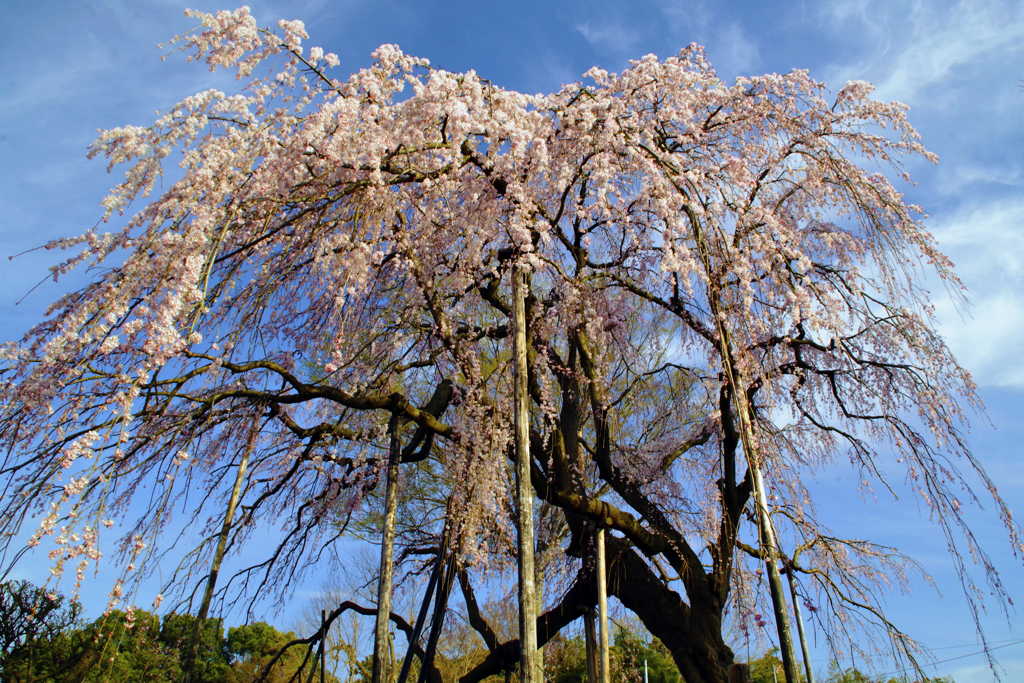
691 632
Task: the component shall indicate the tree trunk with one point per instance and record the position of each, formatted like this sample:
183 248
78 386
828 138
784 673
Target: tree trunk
692 635
529 671
591 641
381 642
691 632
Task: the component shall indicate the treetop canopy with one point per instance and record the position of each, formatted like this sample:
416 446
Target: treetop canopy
338 250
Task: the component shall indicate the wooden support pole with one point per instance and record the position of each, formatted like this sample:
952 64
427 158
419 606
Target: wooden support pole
800 625
529 661
734 377
770 547
602 607
414 639
381 641
218 559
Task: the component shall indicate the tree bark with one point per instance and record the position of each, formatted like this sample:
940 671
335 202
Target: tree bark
591 638
381 642
529 670
691 632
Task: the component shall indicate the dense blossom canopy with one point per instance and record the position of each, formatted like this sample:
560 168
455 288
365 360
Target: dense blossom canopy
340 250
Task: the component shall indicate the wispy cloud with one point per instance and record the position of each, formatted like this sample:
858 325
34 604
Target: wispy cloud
551 72
986 241
966 177
920 45
941 42
689 18
739 51
609 36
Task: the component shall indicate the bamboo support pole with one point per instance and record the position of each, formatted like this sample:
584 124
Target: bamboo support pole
800 625
602 607
769 544
529 661
381 641
218 559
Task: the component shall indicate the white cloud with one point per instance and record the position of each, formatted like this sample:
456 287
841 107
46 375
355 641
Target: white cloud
740 51
609 37
550 72
933 43
986 242
961 178
688 18
940 44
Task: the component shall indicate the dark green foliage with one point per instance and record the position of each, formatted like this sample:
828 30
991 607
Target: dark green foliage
119 648
254 646
38 631
629 653
28 613
213 660
567 660
123 653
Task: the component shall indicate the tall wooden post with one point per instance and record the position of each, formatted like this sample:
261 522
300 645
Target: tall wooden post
800 625
218 558
602 607
381 642
769 545
529 669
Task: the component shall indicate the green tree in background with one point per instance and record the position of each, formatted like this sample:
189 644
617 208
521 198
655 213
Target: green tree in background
253 648
567 659
119 648
762 667
28 613
123 647
35 628
629 653
213 660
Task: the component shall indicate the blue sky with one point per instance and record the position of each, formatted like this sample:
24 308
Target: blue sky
70 68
